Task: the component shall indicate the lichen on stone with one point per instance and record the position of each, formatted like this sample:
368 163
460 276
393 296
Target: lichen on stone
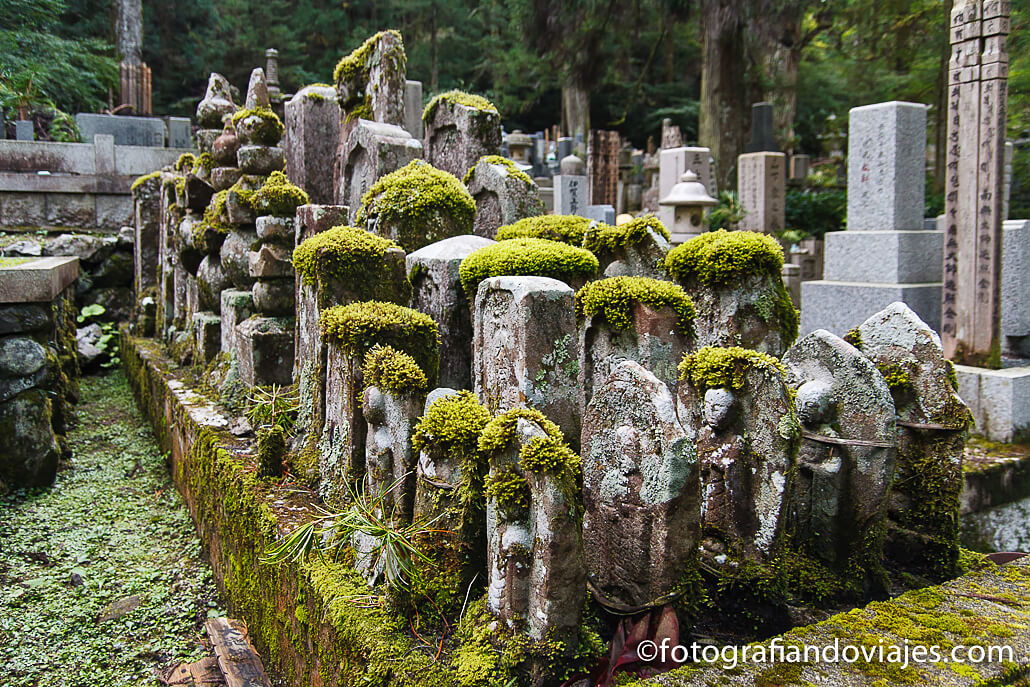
526 257
422 203
613 300
568 229
476 102
718 368
513 171
388 369
278 197
346 253
357 327
603 237
719 257
270 129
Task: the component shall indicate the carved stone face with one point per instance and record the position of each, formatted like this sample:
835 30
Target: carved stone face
719 408
373 406
814 401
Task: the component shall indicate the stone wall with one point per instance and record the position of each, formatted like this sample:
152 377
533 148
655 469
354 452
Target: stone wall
80 185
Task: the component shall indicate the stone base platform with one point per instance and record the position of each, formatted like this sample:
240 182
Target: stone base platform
837 306
999 400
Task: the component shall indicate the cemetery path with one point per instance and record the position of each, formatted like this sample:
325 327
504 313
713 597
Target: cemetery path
101 578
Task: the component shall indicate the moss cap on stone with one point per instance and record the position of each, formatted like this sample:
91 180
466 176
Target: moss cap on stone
476 102
355 65
714 367
185 163
347 253
513 170
215 215
526 257
452 426
613 300
419 197
138 183
568 229
388 369
608 238
357 327
269 131
279 197
718 257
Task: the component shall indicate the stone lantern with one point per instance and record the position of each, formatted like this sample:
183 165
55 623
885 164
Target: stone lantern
519 145
690 202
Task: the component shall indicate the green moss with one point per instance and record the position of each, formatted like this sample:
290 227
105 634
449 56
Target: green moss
602 237
549 455
352 73
268 131
513 171
897 377
271 450
451 428
509 488
358 327
521 257
204 163
501 430
476 102
854 337
391 370
422 204
613 300
138 183
215 215
568 229
278 197
185 163
343 253
720 257
952 375
716 368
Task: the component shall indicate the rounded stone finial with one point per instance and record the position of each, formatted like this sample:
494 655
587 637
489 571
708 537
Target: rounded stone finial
572 165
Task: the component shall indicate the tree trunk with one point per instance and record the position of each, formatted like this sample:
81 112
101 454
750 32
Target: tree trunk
724 105
575 107
434 73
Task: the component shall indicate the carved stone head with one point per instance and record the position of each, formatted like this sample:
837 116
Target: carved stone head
720 408
814 402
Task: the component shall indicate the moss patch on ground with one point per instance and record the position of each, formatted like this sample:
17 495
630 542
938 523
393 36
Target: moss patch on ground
113 526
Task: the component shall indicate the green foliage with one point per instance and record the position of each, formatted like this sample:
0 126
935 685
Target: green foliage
568 229
391 370
513 170
112 527
719 257
815 212
717 368
476 102
726 214
278 197
424 203
601 237
345 253
358 327
613 299
108 343
269 129
273 406
521 257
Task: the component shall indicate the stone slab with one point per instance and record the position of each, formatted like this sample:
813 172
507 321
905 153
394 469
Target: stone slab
24 130
884 257
838 306
1015 278
127 131
180 132
998 399
37 281
886 166
570 194
413 108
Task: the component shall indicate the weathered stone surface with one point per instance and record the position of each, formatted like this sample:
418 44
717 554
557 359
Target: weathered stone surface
312 137
270 261
342 442
224 177
235 308
256 159
369 150
257 90
20 357
274 297
932 428
535 572
207 334
762 185
457 135
88 248
264 350
29 457
526 348
746 313
211 281
24 249
224 148
217 102
436 290
235 256
373 85
838 501
502 194
639 258
277 229
641 523
37 281
746 437
24 317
